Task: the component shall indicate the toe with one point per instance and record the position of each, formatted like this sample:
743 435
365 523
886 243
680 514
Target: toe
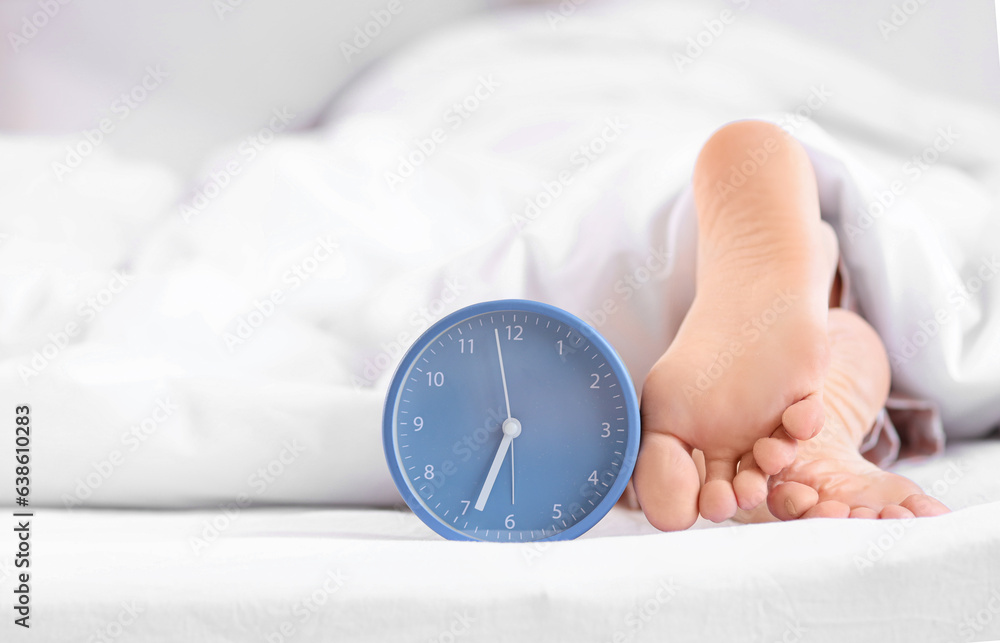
789 500
717 501
895 512
804 419
666 482
828 509
774 453
922 505
863 512
750 484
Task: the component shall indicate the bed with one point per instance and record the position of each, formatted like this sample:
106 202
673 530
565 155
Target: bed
315 574
151 523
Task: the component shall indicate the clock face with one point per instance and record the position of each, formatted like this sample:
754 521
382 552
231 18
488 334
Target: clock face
511 421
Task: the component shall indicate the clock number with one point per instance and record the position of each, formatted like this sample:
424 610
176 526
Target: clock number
429 472
462 345
435 379
560 345
514 336
418 422
592 478
556 512
466 507
509 522
605 429
597 380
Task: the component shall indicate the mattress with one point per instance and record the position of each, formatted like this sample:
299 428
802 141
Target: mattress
328 574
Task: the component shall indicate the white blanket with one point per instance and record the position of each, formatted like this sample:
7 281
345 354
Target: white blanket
190 346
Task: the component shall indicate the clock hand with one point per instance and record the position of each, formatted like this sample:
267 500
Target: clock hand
503 376
506 398
511 429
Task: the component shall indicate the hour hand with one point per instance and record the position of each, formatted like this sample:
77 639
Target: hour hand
511 429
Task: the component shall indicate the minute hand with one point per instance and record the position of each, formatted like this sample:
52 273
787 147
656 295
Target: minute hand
503 375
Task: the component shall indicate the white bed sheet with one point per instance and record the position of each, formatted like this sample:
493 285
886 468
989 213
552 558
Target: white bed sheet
389 578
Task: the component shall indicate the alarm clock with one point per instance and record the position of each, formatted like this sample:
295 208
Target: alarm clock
511 421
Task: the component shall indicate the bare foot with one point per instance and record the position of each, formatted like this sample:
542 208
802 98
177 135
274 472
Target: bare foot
829 478
745 374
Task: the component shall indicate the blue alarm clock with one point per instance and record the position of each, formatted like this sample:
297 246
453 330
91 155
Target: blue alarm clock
511 421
